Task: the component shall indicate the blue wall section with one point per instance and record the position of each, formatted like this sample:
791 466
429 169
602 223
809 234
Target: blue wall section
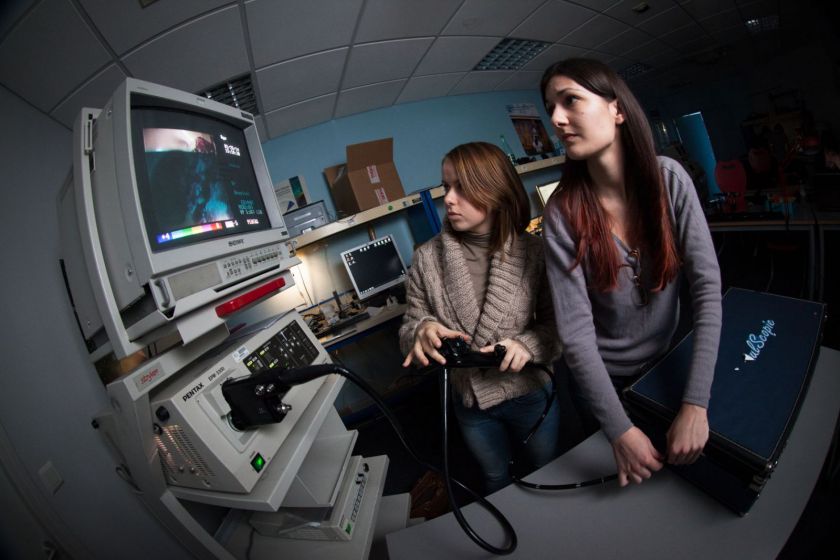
423 132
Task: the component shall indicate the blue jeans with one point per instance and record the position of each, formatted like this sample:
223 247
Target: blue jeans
489 433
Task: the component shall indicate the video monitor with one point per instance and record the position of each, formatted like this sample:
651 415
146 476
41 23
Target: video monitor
195 178
544 191
374 267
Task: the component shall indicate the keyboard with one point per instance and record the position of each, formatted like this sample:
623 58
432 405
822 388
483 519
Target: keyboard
342 324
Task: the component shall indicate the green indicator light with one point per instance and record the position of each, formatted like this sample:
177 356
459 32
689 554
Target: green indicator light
348 528
390 207
258 462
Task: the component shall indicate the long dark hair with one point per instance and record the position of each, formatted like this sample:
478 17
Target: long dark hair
489 182
643 181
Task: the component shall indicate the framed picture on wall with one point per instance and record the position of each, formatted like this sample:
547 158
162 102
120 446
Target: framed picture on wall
529 128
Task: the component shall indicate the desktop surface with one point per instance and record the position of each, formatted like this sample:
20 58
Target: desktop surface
664 517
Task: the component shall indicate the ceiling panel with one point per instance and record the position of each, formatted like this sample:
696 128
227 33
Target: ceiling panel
124 24
593 32
552 21
284 30
50 53
598 5
551 55
647 51
490 17
367 98
476 82
94 93
300 115
624 42
259 121
180 58
395 19
700 9
296 80
723 21
455 54
684 35
666 22
11 12
522 80
387 60
426 87
624 10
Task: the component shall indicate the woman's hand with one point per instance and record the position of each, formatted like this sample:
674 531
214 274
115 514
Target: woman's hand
635 457
427 339
688 435
516 355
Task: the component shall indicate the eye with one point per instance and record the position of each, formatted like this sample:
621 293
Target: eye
570 100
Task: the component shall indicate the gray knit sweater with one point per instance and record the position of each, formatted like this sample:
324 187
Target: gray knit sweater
609 333
517 305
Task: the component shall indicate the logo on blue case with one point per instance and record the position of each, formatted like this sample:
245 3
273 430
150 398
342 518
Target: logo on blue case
756 342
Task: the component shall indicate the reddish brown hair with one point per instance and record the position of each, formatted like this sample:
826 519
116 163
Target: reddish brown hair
643 181
489 182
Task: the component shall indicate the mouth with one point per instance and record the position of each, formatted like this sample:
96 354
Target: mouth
568 136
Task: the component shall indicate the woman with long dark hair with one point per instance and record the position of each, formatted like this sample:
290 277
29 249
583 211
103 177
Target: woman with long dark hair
483 280
620 231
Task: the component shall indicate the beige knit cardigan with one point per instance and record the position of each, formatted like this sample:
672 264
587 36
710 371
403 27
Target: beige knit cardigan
517 306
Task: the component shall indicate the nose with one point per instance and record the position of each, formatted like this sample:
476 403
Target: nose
558 116
450 198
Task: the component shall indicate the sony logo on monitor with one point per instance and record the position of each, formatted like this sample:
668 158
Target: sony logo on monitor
236 242
756 342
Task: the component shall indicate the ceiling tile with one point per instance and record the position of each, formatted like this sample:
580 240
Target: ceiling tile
124 24
663 58
300 115
700 9
723 21
522 80
684 35
551 55
367 98
49 53
427 87
202 53
95 93
598 5
552 21
387 60
397 19
285 30
12 11
299 79
259 121
489 17
648 50
624 10
455 54
759 9
476 82
622 43
593 32
666 22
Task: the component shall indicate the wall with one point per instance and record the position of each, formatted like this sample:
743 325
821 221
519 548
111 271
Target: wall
423 132
48 391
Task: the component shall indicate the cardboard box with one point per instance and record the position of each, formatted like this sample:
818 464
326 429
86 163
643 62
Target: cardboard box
368 179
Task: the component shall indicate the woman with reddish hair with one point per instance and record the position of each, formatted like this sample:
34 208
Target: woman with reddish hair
621 230
483 280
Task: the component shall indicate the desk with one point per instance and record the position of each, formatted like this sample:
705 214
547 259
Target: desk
801 220
665 517
352 332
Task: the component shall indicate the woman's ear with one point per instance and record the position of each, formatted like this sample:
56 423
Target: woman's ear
617 112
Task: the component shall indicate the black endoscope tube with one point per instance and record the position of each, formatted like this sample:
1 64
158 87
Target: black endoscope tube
506 526
568 486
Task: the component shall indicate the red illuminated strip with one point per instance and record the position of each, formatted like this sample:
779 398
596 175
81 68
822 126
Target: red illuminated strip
247 299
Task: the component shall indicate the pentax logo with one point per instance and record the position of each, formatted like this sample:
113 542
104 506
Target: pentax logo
236 242
192 392
756 342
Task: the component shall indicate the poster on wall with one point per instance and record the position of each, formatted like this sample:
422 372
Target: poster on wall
291 193
529 127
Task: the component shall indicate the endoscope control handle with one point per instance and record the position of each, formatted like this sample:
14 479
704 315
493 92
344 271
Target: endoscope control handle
458 355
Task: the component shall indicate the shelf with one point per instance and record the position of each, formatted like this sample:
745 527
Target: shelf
539 164
349 222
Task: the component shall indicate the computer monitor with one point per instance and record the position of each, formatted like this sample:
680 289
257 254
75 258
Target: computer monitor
374 267
544 191
173 207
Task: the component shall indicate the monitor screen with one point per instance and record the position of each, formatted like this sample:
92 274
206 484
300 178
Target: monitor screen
374 266
195 178
544 191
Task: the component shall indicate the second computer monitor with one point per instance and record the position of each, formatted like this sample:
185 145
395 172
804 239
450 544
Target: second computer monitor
374 267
